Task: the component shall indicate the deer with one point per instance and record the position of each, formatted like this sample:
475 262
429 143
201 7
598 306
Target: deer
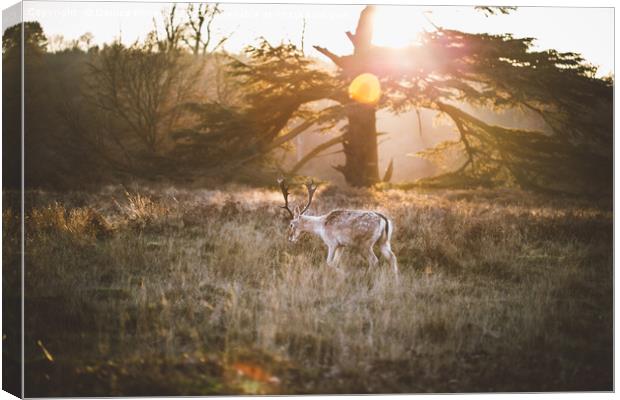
342 228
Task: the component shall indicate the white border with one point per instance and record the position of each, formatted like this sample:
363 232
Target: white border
548 3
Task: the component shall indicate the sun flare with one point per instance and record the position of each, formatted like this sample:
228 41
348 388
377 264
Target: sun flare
398 26
365 89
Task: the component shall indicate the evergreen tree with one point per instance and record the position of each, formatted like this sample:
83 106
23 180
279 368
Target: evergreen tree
447 70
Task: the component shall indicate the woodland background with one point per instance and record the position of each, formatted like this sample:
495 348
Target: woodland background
178 108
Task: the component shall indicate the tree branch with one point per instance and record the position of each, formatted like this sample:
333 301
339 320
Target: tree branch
351 37
335 59
453 112
326 114
315 152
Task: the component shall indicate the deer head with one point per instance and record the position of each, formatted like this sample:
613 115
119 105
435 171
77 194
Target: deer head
296 223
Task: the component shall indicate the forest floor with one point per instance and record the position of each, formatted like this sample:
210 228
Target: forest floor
169 291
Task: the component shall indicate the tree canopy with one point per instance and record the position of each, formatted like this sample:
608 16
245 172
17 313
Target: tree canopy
181 106
445 72
502 72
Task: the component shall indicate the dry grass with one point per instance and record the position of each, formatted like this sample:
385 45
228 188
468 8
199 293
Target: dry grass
187 292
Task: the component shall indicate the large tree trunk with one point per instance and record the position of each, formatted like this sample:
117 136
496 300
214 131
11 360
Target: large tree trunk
360 147
360 141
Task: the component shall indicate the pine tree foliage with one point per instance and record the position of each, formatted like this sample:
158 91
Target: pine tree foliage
499 72
450 69
277 86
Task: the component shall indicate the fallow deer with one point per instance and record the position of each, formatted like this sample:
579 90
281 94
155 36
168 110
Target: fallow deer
342 228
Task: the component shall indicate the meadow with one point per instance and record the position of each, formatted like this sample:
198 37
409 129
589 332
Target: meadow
153 290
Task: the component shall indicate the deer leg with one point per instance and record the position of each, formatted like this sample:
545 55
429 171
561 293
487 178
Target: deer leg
386 251
337 255
372 258
330 255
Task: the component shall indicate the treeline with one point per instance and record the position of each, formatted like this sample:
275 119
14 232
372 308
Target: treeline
118 112
176 107
170 107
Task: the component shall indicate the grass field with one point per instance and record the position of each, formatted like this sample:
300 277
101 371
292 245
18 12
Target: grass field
166 291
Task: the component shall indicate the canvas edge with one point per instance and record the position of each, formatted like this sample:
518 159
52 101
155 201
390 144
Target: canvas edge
12 350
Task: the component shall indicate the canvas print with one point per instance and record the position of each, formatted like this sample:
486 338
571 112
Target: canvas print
227 198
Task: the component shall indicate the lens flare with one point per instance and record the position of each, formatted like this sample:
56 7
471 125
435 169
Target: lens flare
365 89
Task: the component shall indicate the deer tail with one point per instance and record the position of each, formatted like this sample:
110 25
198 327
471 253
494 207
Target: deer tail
388 226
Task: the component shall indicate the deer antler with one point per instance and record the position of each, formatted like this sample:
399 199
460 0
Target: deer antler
285 193
311 189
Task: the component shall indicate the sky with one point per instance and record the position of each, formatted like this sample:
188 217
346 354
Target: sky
589 31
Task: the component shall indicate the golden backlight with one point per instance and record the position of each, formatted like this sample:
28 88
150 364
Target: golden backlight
396 26
365 89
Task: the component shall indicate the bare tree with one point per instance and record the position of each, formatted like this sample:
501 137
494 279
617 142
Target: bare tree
200 25
87 40
141 86
175 30
57 43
